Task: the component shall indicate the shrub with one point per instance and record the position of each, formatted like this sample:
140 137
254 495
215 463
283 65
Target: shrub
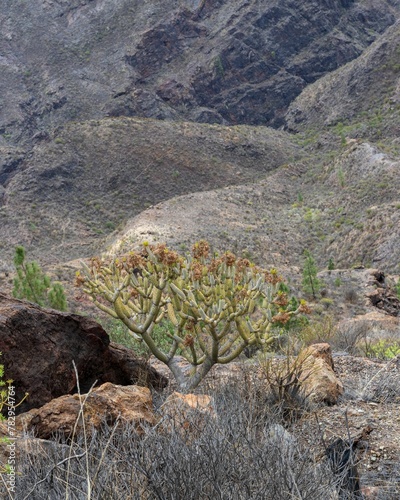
243 453
316 332
327 302
384 389
311 284
382 348
337 282
380 386
285 385
218 305
352 335
351 295
32 284
397 288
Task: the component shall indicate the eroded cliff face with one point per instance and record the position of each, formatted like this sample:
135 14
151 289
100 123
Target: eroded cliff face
236 61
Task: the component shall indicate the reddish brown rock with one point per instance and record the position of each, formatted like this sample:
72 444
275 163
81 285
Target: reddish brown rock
39 345
372 492
107 403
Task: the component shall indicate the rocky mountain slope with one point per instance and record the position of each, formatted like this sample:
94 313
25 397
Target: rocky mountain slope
269 127
240 61
95 175
359 100
94 95
347 209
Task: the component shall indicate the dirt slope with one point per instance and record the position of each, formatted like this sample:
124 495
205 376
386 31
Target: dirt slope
73 191
347 209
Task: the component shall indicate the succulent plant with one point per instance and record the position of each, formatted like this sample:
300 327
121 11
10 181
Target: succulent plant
218 305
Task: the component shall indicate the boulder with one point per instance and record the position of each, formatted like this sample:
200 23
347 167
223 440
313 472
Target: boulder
319 381
187 412
105 404
322 350
40 345
123 367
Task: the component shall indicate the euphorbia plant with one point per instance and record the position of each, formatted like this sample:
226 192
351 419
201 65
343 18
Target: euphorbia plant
218 304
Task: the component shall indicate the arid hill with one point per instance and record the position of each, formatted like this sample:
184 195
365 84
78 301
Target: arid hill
359 100
73 191
95 94
346 209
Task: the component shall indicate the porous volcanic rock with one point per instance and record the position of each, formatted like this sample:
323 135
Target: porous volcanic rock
105 404
40 345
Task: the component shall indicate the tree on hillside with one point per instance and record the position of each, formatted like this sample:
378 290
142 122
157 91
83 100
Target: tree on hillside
311 284
218 305
32 284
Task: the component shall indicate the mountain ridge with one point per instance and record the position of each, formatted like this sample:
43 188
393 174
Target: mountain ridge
72 176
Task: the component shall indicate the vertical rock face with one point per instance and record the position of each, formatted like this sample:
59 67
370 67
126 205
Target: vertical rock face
39 345
259 56
353 89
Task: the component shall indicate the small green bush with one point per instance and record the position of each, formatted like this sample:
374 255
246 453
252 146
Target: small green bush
397 288
32 284
337 282
327 302
323 330
383 349
311 284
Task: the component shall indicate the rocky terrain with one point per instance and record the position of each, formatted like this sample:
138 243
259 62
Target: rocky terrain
346 209
219 61
361 99
266 127
78 160
345 397
95 175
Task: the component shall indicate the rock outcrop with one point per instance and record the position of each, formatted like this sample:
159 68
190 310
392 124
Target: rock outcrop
323 351
187 412
319 381
354 90
39 346
67 416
